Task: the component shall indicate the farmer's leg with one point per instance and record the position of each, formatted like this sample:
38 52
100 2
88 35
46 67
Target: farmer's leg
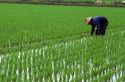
97 32
103 30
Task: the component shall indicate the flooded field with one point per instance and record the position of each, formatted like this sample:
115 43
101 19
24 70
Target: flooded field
50 43
71 61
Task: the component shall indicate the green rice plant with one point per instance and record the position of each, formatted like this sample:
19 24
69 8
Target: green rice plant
38 24
42 51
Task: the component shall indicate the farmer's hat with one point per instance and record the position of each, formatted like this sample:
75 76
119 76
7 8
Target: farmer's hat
88 20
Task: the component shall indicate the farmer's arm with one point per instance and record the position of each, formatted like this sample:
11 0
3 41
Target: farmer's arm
93 29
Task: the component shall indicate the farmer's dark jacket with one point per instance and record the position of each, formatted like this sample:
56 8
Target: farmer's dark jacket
100 22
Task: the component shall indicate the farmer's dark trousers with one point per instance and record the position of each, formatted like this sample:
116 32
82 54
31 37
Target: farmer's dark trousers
102 30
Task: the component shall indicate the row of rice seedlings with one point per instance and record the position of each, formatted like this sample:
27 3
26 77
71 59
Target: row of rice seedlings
121 74
58 74
24 60
71 61
109 74
116 51
106 70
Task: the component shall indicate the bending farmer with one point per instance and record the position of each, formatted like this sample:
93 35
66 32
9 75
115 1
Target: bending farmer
99 22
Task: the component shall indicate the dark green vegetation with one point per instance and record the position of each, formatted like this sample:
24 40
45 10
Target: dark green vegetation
46 56
28 24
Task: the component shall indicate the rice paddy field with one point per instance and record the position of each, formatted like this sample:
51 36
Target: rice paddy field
46 43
